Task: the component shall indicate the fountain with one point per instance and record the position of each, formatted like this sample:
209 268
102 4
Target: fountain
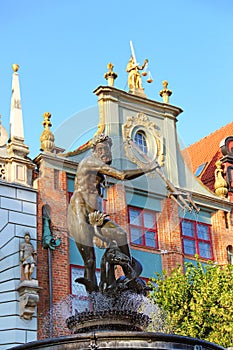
117 314
111 323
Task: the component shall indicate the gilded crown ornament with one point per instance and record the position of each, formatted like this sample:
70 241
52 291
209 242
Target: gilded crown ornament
110 76
47 138
165 93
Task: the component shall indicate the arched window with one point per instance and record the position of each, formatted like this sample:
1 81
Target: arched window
140 140
46 211
230 254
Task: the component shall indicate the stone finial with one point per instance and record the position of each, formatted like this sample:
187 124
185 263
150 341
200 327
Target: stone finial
165 93
47 138
220 184
110 76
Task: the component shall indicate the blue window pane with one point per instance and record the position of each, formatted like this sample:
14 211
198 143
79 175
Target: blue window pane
149 220
136 235
187 228
140 140
204 250
200 169
134 217
70 183
203 232
150 239
189 247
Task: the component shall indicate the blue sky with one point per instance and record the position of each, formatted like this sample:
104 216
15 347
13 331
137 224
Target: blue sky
63 47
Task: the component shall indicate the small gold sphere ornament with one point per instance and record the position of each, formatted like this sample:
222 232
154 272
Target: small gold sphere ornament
144 74
15 67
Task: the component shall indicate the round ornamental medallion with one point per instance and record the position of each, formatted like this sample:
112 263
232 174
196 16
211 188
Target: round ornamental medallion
142 141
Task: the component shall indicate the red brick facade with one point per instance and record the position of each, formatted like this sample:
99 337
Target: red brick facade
221 235
56 199
117 209
53 192
207 151
169 235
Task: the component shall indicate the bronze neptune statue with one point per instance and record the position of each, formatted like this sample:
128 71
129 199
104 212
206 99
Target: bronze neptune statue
86 220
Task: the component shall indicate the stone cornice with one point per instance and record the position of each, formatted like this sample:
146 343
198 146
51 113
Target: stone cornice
112 93
56 162
211 202
18 186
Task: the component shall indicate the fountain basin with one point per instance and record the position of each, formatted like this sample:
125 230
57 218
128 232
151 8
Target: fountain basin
108 320
121 340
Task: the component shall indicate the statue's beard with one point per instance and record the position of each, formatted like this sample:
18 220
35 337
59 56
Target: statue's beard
106 159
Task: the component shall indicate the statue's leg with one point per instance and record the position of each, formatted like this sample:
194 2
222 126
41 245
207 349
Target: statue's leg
26 271
30 272
107 275
88 255
84 243
83 234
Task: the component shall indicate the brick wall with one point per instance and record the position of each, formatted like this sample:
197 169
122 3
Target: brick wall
54 195
221 235
116 205
169 235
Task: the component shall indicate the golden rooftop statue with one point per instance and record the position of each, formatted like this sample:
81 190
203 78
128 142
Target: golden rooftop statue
134 76
15 67
47 138
165 93
110 76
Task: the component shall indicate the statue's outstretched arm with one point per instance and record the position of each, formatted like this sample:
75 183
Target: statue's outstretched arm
144 64
126 174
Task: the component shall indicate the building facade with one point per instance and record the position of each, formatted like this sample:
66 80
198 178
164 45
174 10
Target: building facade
211 161
18 216
169 215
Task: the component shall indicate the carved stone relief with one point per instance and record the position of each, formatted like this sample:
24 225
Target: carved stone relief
142 123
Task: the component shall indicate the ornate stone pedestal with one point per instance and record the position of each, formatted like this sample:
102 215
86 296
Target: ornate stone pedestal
28 298
121 340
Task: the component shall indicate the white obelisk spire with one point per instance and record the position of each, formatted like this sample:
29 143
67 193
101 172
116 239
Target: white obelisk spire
16 116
